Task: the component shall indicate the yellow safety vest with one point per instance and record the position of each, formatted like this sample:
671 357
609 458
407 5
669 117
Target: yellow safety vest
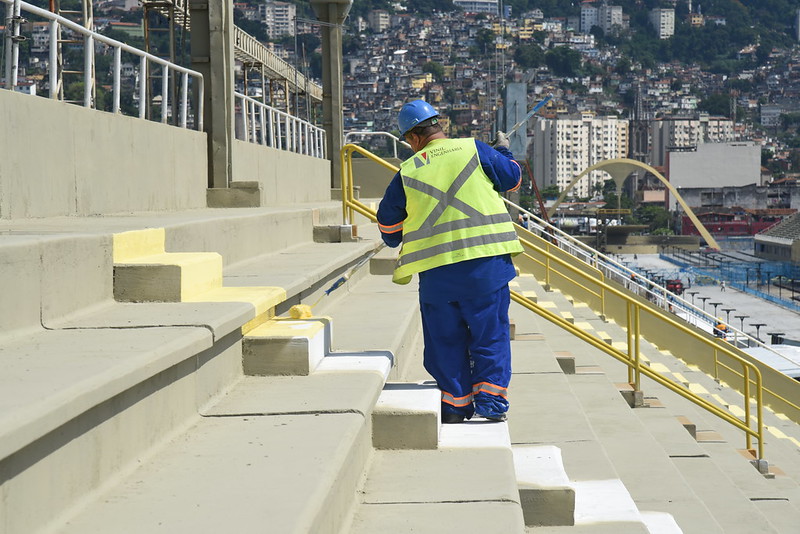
454 213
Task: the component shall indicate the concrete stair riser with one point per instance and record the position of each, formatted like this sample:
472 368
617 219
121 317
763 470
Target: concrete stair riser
285 347
407 416
90 450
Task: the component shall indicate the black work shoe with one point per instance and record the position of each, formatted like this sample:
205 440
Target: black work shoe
498 418
449 418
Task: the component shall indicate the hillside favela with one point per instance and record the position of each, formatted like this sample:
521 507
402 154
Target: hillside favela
400 266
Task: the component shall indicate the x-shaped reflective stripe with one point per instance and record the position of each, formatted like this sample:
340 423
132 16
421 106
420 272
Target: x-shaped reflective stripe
448 198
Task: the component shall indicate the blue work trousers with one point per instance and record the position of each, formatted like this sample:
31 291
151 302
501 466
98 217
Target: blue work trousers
468 352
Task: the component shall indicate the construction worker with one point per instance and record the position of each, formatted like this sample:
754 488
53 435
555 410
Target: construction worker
720 329
445 208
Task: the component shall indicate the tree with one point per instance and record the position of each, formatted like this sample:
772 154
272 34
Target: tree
529 56
563 61
436 69
485 39
716 104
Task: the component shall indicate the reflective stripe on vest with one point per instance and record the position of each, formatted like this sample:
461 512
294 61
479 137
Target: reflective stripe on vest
479 224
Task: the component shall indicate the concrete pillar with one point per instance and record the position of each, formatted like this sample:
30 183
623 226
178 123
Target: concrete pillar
332 13
212 55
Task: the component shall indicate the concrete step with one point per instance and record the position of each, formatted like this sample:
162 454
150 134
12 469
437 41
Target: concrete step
467 485
282 452
407 416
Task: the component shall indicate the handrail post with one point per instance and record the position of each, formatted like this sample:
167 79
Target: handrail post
53 67
345 157
638 368
116 87
629 320
88 67
184 99
164 93
142 87
746 374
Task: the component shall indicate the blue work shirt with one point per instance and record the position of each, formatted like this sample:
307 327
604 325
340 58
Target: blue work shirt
467 278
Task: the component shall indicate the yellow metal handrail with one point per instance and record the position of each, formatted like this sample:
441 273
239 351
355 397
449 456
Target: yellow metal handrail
749 373
593 277
349 202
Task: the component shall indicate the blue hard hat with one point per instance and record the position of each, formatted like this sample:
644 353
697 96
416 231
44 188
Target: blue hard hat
414 113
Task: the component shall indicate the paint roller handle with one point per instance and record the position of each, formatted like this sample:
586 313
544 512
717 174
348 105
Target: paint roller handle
337 284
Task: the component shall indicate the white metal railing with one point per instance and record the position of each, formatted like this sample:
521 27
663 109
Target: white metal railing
170 72
394 138
264 125
623 275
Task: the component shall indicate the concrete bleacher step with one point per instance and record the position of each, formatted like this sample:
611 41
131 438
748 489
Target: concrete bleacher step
709 471
278 453
466 485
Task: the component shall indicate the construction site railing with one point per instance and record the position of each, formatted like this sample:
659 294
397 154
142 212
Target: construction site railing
171 74
267 126
592 280
635 281
351 205
395 140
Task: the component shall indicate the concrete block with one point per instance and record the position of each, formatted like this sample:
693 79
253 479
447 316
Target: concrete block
568 316
690 427
566 360
337 233
406 416
168 277
238 195
545 493
634 398
383 263
605 337
284 347
512 329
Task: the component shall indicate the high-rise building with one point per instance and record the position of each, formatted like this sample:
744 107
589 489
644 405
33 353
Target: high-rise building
279 18
478 6
378 20
604 17
566 146
663 20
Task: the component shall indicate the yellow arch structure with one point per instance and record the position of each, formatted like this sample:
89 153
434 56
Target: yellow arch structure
619 169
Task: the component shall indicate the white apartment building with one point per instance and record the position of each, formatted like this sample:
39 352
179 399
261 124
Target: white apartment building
478 6
278 18
566 146
604 16
378 20
663 20
685 135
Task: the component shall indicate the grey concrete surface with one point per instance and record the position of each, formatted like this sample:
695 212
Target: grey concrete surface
87 171
224 476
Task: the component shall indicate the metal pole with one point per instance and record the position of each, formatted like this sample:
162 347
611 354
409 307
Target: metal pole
88 68
164 93
53 59
116 88
184 98
142 87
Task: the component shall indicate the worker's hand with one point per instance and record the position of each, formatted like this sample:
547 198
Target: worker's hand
501 140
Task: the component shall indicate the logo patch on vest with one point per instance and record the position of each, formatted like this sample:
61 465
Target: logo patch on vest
422 160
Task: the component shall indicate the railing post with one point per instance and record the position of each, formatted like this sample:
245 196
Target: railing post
263 123
184 98
746 373
116 87
53 67
164 93
88 67
12 43
636 333
252 108
142 87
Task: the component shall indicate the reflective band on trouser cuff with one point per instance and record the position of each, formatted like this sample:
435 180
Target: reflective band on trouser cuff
491 389
390 229
458 402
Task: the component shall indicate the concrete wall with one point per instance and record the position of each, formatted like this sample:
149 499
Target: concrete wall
715 165
372 178
285 177
60 159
